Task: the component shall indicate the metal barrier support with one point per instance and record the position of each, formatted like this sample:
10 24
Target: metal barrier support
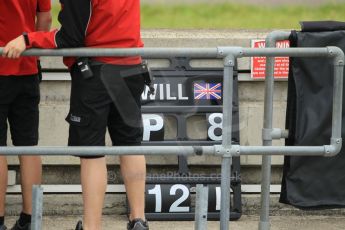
201 206
271 40
229 63
37 207
226 150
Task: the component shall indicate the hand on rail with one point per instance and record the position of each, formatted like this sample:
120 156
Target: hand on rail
14 48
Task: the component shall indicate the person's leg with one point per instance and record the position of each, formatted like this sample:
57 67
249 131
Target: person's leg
94 183
3 169
30 174
88 116
133 169
23 118
7 93
125 128
3 184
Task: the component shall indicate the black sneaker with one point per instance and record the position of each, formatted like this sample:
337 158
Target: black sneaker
79 225
3 227
18 227
137 224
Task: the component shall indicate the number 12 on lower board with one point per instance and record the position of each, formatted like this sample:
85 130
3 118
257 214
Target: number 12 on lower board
176 198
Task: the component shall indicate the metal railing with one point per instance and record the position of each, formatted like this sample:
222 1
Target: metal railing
271 41
226 150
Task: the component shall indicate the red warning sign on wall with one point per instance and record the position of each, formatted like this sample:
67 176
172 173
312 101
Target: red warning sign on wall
258 64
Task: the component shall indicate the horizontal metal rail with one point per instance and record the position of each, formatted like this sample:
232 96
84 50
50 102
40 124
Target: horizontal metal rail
286 150
111 52
217 53
217 150
118 150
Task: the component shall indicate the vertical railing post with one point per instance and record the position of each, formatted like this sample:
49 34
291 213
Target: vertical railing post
267 126
229 63
338 68
201 207
37 207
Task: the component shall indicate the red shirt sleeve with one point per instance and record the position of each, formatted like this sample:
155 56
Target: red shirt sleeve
41 39
43 5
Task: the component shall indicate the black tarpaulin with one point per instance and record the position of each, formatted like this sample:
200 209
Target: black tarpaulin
313 182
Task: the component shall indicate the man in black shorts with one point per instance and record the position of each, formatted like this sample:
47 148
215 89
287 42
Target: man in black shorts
109 97
19 99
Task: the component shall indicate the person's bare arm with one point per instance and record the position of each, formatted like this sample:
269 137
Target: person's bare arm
43 21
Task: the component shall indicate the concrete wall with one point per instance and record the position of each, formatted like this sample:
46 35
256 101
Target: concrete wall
55 91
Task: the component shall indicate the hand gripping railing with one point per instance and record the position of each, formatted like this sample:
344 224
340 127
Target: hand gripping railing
226 150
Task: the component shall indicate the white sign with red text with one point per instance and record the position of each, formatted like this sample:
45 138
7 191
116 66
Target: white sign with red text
258 64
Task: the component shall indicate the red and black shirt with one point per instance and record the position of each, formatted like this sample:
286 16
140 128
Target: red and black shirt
16 17
95 23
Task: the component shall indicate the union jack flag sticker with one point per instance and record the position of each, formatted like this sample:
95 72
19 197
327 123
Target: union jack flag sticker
208 91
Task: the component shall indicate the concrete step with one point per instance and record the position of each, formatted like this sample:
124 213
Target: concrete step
70 174
115 204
